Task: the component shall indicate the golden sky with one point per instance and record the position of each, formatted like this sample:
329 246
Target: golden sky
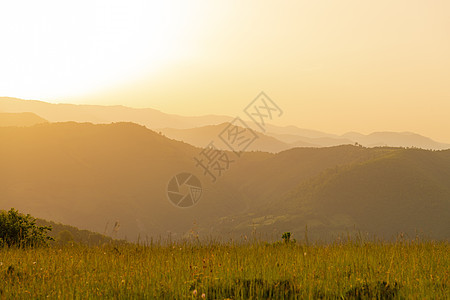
335 66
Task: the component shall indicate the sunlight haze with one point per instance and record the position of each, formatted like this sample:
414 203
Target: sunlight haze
224 149
335 66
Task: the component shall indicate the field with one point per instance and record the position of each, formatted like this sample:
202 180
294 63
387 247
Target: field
350 269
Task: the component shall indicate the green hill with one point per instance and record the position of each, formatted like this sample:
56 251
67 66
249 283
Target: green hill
63 234
400 191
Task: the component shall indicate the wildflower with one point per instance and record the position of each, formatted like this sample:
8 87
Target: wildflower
203 296
34 262
194 293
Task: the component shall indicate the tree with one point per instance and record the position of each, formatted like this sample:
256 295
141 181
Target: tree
20 230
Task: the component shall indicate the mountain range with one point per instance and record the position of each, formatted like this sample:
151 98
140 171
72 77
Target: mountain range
96 176
20 119
200 130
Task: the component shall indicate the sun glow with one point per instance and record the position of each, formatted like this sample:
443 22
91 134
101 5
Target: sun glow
335 66
67 49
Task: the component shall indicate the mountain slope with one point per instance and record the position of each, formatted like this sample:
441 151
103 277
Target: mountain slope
151 118
90 176
202 136
20 119
262 181
63 234
402 190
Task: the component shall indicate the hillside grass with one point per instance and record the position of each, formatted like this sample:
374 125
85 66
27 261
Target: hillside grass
350 269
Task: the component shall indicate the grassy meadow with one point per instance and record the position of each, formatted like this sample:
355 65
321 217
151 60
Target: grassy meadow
210 270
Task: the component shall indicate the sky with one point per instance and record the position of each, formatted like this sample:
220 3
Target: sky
335 66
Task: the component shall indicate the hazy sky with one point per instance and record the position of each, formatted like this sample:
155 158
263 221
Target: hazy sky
335 66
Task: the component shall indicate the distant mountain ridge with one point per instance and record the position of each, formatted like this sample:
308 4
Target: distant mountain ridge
286 136
202 136
273 142
148 117
20 119
396 139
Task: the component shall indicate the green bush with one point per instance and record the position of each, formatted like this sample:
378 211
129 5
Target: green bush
287 238
20 230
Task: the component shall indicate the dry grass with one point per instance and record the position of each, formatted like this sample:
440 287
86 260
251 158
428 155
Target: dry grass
219 271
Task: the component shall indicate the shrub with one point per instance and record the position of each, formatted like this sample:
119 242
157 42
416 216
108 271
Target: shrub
20 230
287 238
